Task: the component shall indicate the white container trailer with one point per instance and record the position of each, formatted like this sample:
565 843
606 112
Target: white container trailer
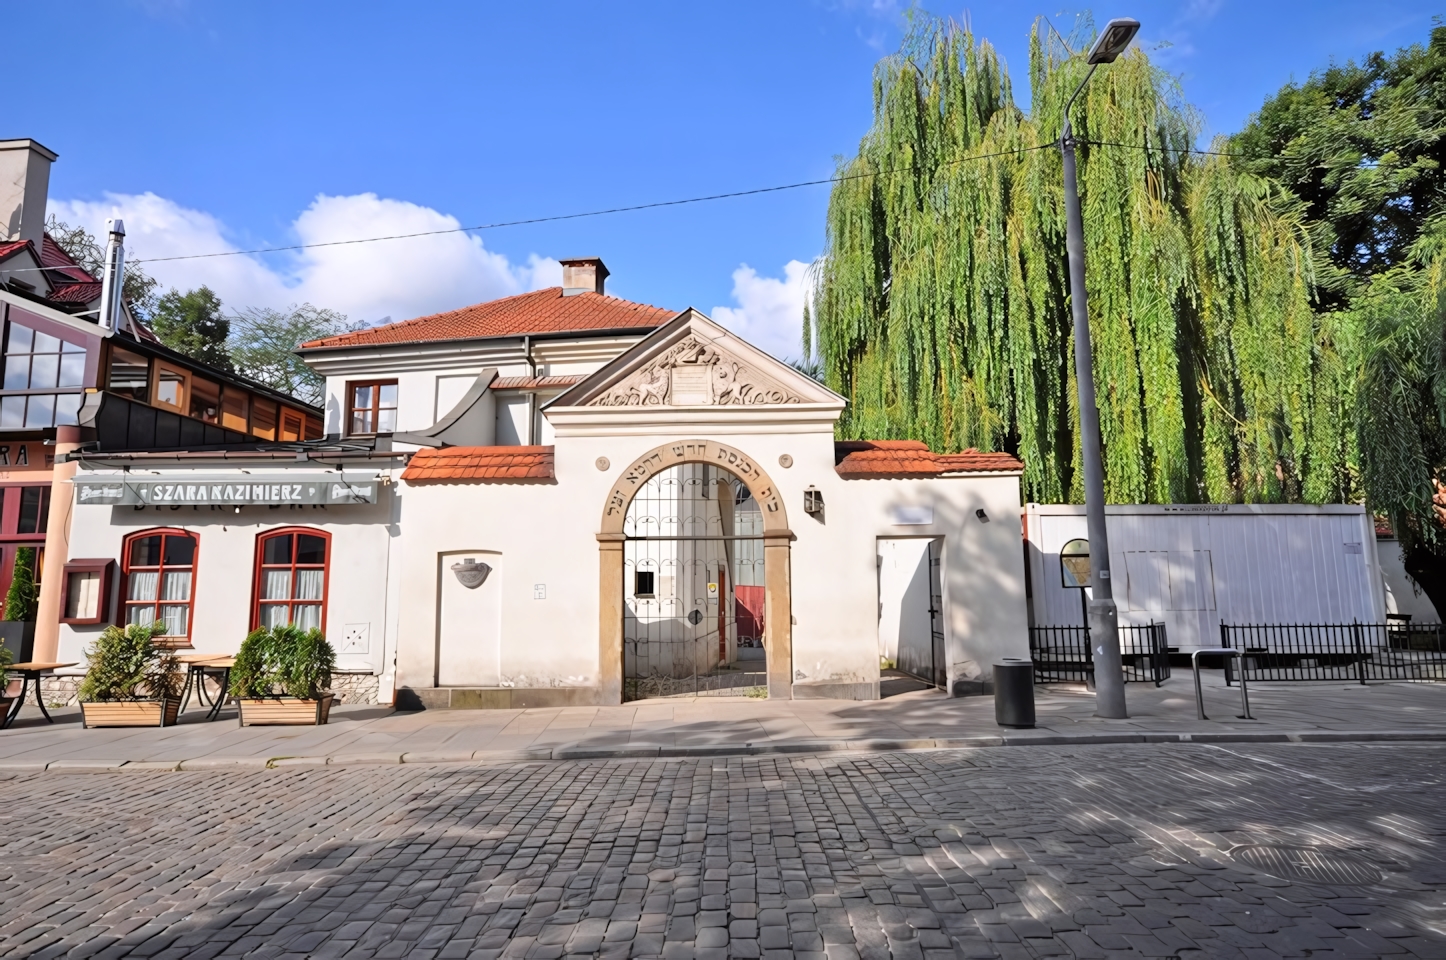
1194 566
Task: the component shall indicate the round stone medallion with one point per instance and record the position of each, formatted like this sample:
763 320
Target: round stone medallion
603 463
785 461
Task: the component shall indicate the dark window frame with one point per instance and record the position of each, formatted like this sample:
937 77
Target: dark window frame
374 411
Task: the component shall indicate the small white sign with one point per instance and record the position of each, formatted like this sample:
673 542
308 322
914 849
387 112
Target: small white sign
539 591
712 591
357 638
1353 548
910 516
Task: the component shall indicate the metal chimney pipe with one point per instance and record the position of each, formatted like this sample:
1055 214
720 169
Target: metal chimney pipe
112 302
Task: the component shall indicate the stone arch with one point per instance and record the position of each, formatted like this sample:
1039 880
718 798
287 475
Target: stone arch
777 548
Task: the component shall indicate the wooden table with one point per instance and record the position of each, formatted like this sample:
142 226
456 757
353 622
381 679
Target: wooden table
30 670
197 665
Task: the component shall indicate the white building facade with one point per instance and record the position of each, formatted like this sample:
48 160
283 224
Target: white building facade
565 498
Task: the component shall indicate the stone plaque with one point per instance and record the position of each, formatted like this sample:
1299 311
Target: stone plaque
690 385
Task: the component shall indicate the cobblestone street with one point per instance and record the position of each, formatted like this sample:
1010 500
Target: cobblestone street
1097 851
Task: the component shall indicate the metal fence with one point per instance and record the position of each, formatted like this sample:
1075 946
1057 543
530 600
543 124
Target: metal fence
1337 651
1063 654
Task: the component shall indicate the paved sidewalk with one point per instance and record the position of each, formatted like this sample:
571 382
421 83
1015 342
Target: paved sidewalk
703 726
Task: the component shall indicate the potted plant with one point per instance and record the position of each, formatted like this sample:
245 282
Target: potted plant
17 629
129 681
282 675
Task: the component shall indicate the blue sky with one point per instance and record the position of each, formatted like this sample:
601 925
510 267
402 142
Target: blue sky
214 125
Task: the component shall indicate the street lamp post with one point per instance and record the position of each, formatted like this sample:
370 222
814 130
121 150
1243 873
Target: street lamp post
1103 615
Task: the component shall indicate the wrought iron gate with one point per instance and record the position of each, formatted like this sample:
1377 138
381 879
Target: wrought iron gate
693 587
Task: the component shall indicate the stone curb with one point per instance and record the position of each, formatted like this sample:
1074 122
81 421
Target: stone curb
579 751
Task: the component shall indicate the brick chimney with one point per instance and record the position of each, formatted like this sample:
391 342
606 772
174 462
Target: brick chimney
583 275
24 182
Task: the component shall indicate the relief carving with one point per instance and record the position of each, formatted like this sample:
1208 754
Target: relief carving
706 377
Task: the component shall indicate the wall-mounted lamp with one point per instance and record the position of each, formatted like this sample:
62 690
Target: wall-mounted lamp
812 500
983 517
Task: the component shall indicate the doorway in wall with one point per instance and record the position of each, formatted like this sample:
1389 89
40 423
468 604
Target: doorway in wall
911 614
693 582
469 619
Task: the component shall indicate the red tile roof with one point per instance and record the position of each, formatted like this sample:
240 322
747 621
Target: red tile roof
77 292
480 463
12 247
542 311
893 459
536 383
52 256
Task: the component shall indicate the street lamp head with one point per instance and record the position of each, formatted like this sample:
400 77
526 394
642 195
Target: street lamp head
1113 40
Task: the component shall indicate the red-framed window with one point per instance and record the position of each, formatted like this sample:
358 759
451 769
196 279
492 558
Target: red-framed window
292 568
159 573
372 407
24 512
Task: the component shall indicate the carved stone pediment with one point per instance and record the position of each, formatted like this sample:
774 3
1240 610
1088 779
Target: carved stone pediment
694 373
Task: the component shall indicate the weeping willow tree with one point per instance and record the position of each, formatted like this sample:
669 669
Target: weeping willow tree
941 307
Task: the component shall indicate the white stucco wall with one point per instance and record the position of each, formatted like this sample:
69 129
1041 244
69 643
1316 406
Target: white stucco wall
360 590
546 532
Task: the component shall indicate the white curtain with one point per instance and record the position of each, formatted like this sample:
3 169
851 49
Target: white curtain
308 616
143 585
175 618
176 585
308 584
273 615
276 585
143 615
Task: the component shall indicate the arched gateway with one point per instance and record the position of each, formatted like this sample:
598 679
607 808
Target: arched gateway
663 512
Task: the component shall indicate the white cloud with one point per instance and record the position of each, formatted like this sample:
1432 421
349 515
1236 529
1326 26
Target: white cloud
365 281
769 313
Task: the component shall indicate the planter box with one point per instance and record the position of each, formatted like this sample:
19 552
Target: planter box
19 637
284 711
130 713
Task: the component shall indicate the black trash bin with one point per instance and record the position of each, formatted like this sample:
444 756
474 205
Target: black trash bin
1014 693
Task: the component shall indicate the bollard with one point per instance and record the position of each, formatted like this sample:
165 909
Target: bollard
1014 693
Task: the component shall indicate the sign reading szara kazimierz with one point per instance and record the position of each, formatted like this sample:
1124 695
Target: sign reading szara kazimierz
209 491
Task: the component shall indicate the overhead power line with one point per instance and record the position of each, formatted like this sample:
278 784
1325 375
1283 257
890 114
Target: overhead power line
660 203
591 213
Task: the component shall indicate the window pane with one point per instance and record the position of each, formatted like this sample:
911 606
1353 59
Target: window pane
276 550
205 400
44 371
143 614
12 413
386 421
41 411
168 390
72 370
175 618
146 552
276 585
142 585
307 616
310 549
69 347
308 584
20 338
361 398
176 586
67 409
45 343
17 372
129 374
274 615
388 395
30 503
180 551
361 421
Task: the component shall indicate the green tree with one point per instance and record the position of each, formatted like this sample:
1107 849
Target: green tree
1363 148
941 308
139 288
264 341
192 323
23 596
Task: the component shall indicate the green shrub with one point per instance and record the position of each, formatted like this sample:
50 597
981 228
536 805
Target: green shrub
126 665
6 658
283 660
23 597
